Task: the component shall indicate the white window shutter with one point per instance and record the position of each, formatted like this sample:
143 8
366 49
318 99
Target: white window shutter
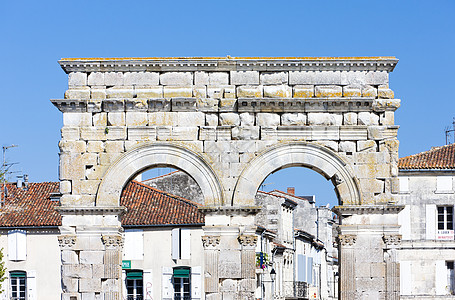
440 277
175 243
166 285
31 285
310 270
404 220
301 269
185 239
124 291
430 224
148 285
134 244
196 282
21 245
404 184
12 245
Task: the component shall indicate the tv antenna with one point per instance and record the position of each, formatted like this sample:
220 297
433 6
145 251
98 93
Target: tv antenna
448 131
5 171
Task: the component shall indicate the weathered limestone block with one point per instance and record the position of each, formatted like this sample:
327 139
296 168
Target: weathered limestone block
248 91
228 285
244 77
187 119
229 119
223 133
389 145
141 78
145 133
136 104
294 133
70 133
65 187
78 92
114 146
69 257
270 78
70 285
77 79
377 77
94 105
350 119
178 91
91 257
247 119
367 146
325 119
89 296
110 285
71 167
113 78
113 105
72 146
353 133
353 77
369 91
201 78
96 78
116 119
200 91
325 133
245 133
384 92
229 264
229 92
85 187
207 104
176 78
184 133
76 271
289 119
77 119
267 119
367 118
303 91
98 271
95 172
228 105
148 91
98 92
347 146
218 78
277 91
381 132
162 118
215 92
207 133
211 119
103 133
268 133
330 144
352 91
106 159
89 285
119 92
100 119
314 77
327 91
134 118
372 171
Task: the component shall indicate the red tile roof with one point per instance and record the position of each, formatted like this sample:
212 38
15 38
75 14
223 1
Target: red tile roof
31 206
145 206
149 206
437 158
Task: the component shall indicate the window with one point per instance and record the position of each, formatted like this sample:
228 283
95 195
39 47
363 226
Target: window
17 245
182 284
134 285
445 223
181 243
18 281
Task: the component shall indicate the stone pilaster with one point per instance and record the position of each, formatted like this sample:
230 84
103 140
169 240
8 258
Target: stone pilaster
347 265
392 243
211 253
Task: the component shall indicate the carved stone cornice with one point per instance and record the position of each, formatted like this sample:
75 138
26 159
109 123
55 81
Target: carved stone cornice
210 241
347 239
392 239
113 241
230 210
91 210
248 240
66 241
132 64
349 210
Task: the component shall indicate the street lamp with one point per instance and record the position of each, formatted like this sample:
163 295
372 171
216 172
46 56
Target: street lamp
273 274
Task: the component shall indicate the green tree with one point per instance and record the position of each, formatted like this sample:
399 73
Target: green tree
2 271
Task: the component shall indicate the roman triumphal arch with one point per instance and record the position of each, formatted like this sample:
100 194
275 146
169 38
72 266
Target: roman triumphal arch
229 123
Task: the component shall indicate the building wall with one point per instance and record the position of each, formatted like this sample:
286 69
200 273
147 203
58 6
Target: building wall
42 261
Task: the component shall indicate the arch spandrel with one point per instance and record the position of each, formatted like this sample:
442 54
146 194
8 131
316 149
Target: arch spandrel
154 155
313 156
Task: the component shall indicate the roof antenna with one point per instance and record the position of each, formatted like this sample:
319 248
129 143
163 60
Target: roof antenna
5 171
448 131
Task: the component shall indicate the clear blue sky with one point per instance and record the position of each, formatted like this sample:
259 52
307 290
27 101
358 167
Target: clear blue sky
35 34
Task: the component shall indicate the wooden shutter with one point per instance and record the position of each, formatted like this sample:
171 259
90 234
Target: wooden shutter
185 238
124 291
167 289
12 245
196 282
440 277
31 285
430 224
301 267
134 244
21 247
310 270
175 243
148 284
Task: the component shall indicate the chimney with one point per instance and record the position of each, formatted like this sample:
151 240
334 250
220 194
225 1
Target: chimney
291 190
19 182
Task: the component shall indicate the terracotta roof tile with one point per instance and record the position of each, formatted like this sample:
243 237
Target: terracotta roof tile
437 158
145 206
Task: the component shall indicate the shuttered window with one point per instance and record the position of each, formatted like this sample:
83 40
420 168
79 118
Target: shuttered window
18 281
181 246
134 285
134 244
182 286
17 245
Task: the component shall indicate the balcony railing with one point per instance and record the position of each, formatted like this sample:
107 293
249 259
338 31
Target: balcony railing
297 289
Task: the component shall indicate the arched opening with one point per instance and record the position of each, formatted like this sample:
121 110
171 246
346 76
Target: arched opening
147 156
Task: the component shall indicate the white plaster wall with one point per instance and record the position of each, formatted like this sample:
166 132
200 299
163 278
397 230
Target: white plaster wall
43 257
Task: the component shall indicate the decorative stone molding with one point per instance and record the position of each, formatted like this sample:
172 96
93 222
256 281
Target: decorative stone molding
347 239
66 241
248 240
210 241
92 210
112 241
392 239
349 210
228 64
230 210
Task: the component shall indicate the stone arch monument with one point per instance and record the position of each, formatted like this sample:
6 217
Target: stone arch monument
229 123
